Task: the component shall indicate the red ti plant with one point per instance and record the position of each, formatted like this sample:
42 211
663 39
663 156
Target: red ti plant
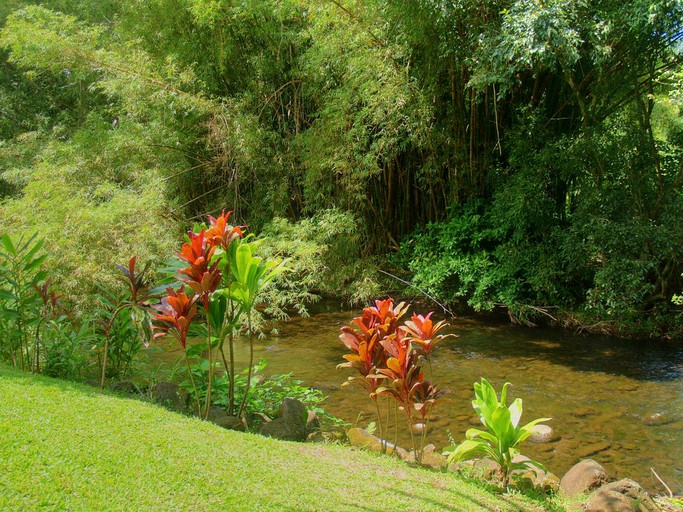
204 277
424 334
226 278
175 314
387 356
221 234
365 341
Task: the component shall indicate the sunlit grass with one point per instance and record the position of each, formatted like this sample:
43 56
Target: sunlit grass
65 446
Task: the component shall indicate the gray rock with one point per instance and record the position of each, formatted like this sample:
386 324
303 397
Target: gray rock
230 423
533 477
320 436
485 469
170 396
582 477
542 434
621 496
290 425
125 387
429 458
216 413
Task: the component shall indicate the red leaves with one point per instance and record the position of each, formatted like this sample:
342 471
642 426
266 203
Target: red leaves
221 234
48 296
423 332
176 312
382 348
135 280
203 276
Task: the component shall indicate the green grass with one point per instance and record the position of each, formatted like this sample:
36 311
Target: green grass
65 446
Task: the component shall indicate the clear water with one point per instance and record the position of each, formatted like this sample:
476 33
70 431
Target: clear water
596 389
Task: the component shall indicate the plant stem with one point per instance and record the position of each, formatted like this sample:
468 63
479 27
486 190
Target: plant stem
194 386
211 364
251 364
231 383
396 423
107 332
418 457
379 425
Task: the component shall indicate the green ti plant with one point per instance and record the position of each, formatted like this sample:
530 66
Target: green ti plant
387 355
26 302
503 435
221 286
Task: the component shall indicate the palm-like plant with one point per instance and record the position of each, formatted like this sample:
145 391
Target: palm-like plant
250 275
503 434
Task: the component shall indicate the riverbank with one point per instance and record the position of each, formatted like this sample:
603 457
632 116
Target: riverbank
66 446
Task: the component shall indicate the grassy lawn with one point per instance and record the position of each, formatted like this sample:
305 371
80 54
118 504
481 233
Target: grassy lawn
65 446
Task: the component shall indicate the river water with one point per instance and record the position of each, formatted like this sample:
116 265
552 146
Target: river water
598 390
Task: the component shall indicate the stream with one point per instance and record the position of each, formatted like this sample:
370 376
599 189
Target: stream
600 391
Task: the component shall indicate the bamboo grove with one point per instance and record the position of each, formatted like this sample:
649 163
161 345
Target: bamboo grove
522 153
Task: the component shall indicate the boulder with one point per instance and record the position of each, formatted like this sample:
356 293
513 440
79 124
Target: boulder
216 413
170 396
312 422
542 434
230 422
533 477
582 477
621 496
125 387
364 439
485 469
290 425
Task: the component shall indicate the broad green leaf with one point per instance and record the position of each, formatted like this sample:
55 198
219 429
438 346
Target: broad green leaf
8 245
515 411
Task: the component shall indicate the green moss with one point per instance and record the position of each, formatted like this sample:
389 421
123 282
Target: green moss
68 447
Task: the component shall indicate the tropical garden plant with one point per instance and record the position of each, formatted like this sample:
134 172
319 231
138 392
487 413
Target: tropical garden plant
503 435
125 322
387 355
26 301
218 290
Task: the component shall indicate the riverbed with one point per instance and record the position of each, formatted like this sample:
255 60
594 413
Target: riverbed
616 401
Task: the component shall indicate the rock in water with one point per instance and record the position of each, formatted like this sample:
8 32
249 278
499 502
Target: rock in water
656 419
541 434
582 477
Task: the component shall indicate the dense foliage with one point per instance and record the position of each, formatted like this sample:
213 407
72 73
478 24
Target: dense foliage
520 153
